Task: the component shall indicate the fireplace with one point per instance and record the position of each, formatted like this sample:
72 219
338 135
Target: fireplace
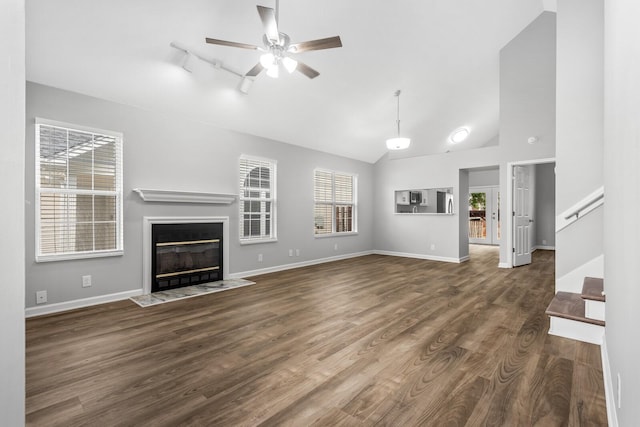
185 255
183 251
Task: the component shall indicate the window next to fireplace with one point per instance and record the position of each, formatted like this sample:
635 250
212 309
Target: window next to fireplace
185 254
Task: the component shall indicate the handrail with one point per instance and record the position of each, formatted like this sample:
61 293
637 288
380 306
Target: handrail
580 209
576 213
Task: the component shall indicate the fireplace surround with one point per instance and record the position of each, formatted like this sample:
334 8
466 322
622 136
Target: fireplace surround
184 251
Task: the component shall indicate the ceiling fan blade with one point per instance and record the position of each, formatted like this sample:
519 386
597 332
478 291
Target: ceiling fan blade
231 44
255 70
307 71
268 17
328 43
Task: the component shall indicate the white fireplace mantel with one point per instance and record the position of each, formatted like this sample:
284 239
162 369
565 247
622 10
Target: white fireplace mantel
174 196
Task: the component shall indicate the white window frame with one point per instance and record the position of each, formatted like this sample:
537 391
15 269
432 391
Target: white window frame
266 236
333 203
117 193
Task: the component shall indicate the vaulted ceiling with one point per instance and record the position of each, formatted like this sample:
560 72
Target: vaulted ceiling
442 54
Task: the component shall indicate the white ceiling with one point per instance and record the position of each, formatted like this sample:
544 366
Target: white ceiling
442 54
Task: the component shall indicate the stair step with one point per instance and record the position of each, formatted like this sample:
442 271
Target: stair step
570 306
592 289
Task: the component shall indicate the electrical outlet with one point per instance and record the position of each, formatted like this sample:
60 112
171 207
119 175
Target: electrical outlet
544 242
433 246
259 257
335 247
290 252
297 252
86 281
41 297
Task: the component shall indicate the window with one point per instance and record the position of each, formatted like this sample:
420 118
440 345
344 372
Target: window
335 202
78 192
257 200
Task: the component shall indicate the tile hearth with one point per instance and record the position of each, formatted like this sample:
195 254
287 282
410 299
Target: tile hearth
188 292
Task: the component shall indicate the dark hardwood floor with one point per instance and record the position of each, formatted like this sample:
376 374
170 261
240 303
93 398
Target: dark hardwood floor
374 340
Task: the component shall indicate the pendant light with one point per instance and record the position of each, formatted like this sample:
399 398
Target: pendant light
398 143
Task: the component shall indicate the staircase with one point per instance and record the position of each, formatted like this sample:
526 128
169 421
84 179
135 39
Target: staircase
579 316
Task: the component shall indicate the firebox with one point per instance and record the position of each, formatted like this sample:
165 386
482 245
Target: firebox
185 254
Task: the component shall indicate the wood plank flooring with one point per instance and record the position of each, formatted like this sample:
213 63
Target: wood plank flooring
374 340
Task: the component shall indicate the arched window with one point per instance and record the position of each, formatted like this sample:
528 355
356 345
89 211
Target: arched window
257 199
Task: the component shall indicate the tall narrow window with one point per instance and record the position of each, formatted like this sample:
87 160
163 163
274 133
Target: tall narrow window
78 192
335 202
257 200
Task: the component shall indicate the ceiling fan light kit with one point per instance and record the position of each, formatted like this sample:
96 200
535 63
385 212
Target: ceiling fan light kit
398 142
278 48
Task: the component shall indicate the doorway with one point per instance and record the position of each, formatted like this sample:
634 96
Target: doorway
531 200
484 215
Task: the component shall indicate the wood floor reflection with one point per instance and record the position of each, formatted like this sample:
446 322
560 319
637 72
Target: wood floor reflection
369 340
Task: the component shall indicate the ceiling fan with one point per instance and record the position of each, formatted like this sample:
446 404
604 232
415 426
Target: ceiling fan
278 47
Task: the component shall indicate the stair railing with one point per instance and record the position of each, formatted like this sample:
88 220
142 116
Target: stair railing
580 209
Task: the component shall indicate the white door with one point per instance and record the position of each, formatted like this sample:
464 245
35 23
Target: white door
522 215
484 215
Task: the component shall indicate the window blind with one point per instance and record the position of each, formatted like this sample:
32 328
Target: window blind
257 199
335 201
79 192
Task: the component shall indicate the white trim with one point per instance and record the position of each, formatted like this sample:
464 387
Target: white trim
612 415
543 248
423 256
79 303
509 205
274 269
148 221
175 196
73 126
504 265
344 233
572 281
575 330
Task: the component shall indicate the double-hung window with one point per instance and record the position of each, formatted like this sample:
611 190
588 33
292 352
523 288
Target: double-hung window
257 200
335 202
78 192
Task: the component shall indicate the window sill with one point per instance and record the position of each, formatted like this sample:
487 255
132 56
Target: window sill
257 241
322 236
69 257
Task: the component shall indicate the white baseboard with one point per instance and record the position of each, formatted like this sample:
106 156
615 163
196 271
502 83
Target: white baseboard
249 273
612 415
572 281
580 331
423 256
79 303
544 248
504 265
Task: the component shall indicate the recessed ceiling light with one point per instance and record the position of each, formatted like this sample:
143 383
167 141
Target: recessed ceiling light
459 135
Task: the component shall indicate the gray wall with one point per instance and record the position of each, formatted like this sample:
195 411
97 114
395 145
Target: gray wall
622 184
545 215
484 177
12 104
580 118
527 108
170 152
